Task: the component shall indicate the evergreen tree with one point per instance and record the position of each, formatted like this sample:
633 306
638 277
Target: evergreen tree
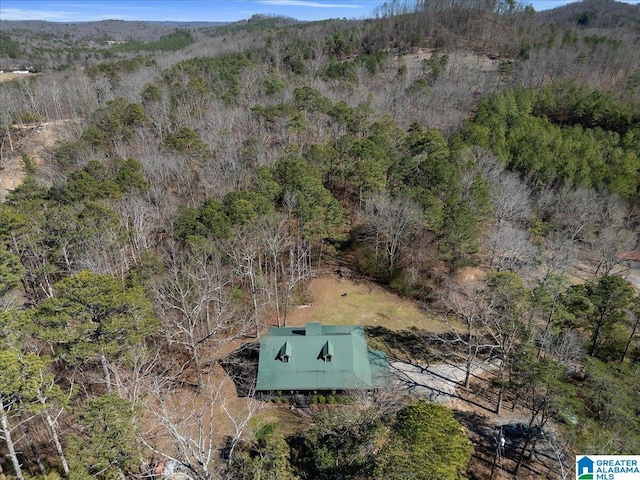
425 443
106 446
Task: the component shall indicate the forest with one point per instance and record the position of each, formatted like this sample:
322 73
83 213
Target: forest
169 192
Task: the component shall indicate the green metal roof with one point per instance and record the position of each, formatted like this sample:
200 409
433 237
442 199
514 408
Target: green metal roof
319 357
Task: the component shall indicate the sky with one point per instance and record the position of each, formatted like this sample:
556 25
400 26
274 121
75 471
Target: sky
197 10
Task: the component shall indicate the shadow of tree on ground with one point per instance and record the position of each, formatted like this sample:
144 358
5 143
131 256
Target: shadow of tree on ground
242 367
404 345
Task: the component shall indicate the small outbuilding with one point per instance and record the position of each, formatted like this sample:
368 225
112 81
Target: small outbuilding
319 358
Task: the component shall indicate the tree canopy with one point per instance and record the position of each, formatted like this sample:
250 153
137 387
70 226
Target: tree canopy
425 442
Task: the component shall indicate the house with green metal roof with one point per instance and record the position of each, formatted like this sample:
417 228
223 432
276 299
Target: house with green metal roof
319 358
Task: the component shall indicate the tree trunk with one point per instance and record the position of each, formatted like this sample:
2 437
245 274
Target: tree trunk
472 354
275 289
105 372
252 282
594 341
501 388
530 439
286 309
547 328
497 456
291 281
32 446
56 441
522 453
198 366
467 375
500 398
4 421
633 333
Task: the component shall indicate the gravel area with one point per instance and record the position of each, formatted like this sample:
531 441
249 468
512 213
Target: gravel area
436 383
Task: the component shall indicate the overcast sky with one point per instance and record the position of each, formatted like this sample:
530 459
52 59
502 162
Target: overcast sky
196 10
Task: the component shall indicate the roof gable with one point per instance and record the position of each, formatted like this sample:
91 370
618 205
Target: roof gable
284 355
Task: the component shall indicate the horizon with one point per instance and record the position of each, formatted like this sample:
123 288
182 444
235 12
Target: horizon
75 11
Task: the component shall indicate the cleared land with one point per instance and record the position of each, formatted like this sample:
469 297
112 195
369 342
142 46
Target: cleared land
341 301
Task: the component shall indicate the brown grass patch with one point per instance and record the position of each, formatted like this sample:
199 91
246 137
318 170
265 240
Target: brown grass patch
9 76
288 421
341 301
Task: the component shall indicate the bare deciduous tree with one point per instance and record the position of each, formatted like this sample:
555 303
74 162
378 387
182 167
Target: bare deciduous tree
468 304
570 210
510 248
196 306
138 218
611 237
507 302
199 427
392 221
557 255
274 237
509 194
297 269
244 249
47 395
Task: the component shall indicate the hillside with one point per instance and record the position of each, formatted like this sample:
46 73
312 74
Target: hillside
118 30
615 17
464 181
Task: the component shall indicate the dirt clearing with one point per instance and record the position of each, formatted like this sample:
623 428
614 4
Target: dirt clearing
35 140
9 76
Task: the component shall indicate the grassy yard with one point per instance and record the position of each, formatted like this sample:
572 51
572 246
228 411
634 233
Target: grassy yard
392 325
340 301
